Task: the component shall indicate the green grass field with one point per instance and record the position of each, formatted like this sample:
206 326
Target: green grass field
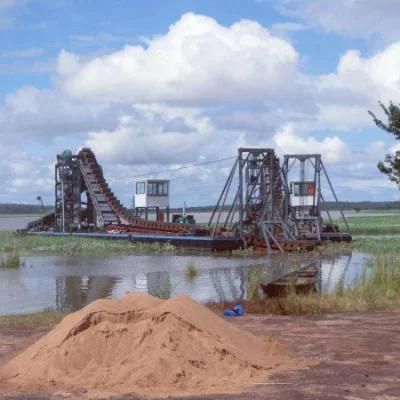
374 225
46 245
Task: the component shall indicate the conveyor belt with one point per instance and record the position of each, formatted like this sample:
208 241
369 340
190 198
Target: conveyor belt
110 209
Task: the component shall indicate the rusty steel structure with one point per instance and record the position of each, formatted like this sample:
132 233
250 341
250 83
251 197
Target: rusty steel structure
258 202
259 206
257 213
264 211
306 201
85 201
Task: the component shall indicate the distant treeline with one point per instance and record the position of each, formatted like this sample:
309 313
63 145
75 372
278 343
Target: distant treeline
346 205
23 209
330 205
363 205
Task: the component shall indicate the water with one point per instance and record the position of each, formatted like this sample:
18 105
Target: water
14 222
67 283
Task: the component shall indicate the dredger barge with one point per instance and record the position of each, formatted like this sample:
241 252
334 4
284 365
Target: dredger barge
267 209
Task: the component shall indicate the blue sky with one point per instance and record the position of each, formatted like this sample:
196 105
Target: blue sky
158 84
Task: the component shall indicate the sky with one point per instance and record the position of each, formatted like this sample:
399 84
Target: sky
160 84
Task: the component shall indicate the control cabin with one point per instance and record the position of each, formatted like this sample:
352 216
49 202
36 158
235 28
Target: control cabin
152 195
304 199
302 194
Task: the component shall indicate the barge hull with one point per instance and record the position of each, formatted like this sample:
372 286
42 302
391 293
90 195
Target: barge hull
336 236
190 242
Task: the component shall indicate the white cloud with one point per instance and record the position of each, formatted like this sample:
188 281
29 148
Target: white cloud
362 18
358 83
159 135
196 61
369 184
24 175
36 114
197 93
284 29
366 78
332 148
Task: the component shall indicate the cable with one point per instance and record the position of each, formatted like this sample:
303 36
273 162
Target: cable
184 167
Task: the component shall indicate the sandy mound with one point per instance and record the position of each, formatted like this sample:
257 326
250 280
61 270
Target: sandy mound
141 344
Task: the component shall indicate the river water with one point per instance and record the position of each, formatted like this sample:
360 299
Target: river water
12 223
66 283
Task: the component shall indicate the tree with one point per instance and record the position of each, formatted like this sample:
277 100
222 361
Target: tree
391 163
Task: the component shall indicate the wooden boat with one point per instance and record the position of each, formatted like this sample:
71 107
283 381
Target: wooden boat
302 281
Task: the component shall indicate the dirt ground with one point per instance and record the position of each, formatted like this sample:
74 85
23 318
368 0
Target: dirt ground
359 356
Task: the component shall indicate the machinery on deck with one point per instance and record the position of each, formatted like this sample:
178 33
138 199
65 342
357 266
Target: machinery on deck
260 205
268 209
84 202
306 175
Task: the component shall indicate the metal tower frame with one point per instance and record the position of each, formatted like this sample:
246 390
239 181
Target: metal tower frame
67 193
295 215
258 202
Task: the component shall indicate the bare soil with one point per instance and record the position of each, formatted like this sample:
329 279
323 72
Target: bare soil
359 356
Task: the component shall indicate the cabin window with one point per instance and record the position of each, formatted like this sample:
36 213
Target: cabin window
303 189
157 189
140 188
165 189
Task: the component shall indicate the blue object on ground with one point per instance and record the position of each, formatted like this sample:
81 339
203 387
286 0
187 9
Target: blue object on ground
236 311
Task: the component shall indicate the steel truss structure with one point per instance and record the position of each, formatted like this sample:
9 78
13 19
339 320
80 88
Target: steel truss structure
263 212
262 204
80 175
257 203
304 215
67 192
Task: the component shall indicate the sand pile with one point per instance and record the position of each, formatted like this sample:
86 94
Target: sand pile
140 344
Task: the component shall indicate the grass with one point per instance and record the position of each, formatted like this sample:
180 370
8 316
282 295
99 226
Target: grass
374 225
379 289
46 245
10 260
253 280
191 271
44 318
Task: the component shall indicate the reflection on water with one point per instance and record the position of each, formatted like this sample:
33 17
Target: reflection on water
67 283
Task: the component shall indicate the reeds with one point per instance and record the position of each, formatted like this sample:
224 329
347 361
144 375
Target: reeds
42 318
253 280
379 289
191 271
10 260
77 246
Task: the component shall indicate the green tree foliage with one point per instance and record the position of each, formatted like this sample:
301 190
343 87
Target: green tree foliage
391 164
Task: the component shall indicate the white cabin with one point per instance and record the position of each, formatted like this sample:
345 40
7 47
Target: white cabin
302 194
152 193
